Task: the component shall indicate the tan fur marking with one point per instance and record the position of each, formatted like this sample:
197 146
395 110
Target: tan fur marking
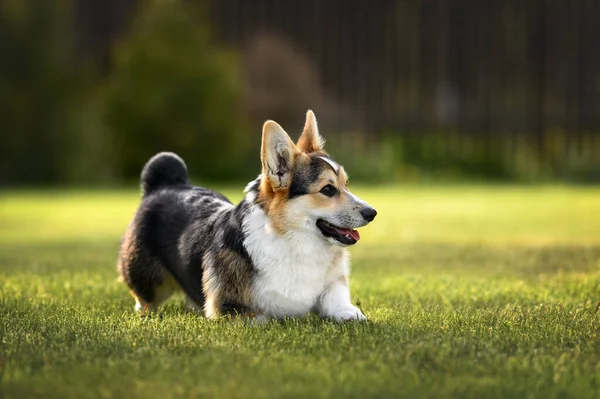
310 140
226 281
129 245
339 182
278 155
343 176
238 278
273 196
128 252
211 308
274 203
145 309
210 286
134 295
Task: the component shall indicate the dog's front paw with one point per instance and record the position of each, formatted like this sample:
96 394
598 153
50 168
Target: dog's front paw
349 313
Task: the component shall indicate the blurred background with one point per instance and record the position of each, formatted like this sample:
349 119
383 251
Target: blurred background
404 90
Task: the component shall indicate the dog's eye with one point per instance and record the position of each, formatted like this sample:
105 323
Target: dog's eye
329 190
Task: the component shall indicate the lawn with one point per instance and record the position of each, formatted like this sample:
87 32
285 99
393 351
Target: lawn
471 292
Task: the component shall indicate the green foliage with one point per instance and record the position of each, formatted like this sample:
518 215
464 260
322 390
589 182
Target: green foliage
173 86
471 292
38 90
455 156
172 89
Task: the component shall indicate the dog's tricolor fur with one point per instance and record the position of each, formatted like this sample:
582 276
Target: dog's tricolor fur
279 252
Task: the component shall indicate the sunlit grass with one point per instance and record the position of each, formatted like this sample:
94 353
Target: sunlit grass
470 291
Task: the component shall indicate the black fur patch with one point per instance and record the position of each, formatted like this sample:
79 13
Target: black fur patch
173 231
165 169
233 234
304 176
255 185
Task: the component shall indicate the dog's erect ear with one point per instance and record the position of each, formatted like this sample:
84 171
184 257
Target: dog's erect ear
310 140
277 153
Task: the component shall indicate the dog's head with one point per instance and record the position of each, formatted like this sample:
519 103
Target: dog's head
303 189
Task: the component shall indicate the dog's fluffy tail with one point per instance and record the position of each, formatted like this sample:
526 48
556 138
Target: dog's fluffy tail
163 170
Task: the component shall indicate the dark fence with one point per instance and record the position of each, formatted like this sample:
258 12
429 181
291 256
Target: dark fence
495 88
520 72
470 65
413 65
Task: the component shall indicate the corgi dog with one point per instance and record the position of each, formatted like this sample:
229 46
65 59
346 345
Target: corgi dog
280 252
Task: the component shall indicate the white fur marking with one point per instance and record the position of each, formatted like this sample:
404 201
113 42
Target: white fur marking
354 198
251 195
335 303
249 185
334 165
294 269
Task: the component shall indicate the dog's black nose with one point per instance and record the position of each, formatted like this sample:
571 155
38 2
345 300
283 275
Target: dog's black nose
369 214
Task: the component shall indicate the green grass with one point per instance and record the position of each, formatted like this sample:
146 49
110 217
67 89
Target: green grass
475 292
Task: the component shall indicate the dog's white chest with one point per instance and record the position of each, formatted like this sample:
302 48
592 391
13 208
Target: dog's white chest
288 286
292 271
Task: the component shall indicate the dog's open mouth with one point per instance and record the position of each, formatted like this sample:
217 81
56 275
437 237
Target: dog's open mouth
345 236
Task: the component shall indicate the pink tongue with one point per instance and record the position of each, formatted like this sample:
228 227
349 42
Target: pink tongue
352 233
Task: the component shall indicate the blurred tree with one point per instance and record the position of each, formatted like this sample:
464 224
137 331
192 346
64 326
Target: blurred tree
38 86
172 89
